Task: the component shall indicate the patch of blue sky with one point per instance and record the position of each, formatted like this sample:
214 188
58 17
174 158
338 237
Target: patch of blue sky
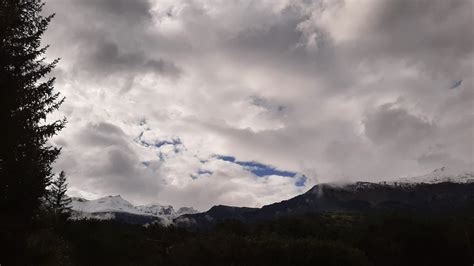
456 84
200 173
226 158
301 181
204 172
256 168
158 143
173 142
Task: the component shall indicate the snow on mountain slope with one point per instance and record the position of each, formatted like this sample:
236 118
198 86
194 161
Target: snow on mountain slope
105 204
78 215
114 207
441 175
106 208
167 213
156 210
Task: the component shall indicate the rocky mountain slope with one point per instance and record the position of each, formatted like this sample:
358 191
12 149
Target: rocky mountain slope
440 191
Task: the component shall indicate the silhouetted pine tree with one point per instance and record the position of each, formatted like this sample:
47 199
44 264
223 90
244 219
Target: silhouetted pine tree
58 201
26 98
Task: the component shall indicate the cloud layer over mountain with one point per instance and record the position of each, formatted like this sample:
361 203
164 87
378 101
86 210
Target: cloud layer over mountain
158 91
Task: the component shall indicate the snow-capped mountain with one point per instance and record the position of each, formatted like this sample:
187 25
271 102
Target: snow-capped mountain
441 175
435 190
165 212
115 207
442 191
105 204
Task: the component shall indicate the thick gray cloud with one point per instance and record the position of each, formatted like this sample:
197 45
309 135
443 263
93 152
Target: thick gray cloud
101 134
335 90
397 128
107 58
132 11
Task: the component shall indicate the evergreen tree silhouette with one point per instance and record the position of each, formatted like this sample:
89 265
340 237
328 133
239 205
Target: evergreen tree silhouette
58 201
26 98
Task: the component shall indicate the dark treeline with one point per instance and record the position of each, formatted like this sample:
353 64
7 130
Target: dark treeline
336 238
27 96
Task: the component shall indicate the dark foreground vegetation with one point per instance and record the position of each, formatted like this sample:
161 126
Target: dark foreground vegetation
328 239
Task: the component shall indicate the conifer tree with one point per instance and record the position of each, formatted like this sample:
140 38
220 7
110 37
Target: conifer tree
58 201
27 96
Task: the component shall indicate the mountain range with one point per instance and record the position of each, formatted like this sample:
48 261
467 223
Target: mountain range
440 191
117 208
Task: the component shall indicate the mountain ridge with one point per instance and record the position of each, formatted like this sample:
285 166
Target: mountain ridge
115 207
439 191
359 195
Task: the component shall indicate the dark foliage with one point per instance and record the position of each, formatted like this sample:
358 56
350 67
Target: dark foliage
26 98
57 200
334 238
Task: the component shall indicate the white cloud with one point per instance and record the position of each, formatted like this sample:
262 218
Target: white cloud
330 89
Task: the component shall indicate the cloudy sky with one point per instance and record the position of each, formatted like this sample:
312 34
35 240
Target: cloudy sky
196 103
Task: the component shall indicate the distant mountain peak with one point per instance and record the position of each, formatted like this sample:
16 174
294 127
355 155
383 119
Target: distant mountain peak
321 197
106 208
441 175
442 190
